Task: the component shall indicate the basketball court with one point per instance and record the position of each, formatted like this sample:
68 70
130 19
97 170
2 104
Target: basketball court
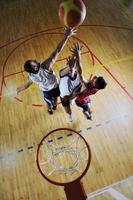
36 165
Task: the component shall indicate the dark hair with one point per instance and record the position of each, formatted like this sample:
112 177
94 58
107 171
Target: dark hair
27 66
100 83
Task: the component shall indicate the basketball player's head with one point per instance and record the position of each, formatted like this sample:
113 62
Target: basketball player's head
99 82
32 66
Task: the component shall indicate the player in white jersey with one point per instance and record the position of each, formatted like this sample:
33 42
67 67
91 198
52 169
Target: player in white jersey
70 81
72 84
43 75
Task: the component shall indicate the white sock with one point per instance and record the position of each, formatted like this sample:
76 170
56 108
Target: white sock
70 118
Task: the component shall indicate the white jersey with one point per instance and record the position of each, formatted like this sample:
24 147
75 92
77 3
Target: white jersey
45 79
67 85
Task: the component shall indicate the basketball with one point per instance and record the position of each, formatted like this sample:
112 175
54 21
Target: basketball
72 13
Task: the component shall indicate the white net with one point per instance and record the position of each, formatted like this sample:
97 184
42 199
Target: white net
63 155
55 154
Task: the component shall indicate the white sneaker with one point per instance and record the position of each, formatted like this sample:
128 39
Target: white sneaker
70 118
88 115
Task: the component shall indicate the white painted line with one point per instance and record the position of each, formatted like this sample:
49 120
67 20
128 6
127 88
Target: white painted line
105 189
117 195
96 194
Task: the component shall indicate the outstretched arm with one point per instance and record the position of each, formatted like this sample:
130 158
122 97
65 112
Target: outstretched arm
24 87
47 64
70 64
76 50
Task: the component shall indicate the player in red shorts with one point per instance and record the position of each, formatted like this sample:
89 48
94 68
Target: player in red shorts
92 87
88 87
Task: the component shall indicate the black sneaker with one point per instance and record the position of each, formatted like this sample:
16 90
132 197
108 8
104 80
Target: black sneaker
54 107
89 117
50 112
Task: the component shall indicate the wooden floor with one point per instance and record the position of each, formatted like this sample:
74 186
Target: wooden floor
31 29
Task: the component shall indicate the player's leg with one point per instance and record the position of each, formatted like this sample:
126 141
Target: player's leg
67 108
69 112
55 95
89 110
49 101
86 111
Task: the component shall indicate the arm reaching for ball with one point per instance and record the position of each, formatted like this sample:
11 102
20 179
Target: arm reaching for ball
48 63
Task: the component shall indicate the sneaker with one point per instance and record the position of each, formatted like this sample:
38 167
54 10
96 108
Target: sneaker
89 117
54 107
50 112
70 118
90 112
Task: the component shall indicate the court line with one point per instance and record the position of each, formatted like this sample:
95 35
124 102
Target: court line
116 61
84 53
29 35
30 147
115 79
15 73
110 62
117 195
57 28
83 130
20 150
12 51
12 74
105 189
93 57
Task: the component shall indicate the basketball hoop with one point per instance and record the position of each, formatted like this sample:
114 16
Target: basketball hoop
63 158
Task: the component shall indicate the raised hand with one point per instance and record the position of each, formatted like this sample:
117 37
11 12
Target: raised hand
76 49
71 61
70 31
